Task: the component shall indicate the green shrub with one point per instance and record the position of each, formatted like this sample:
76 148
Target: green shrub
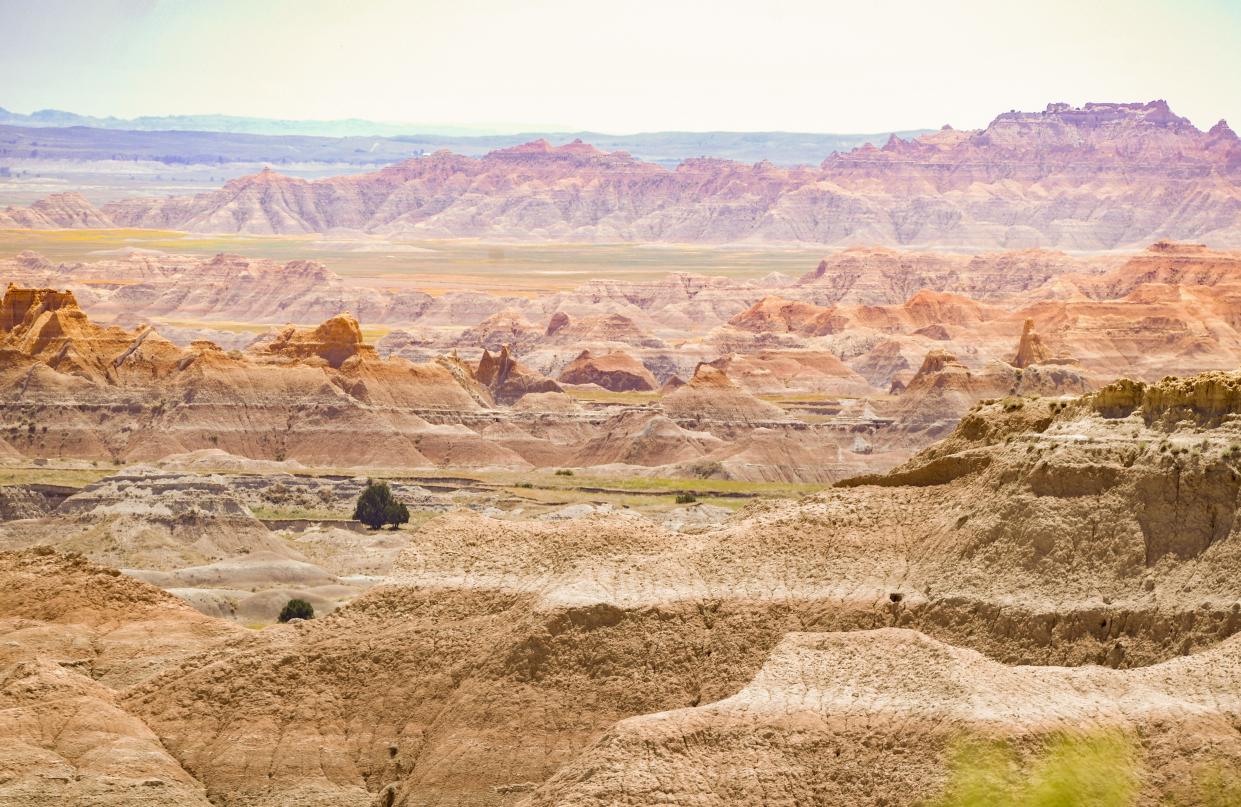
296 609
686 498
564 472
377 507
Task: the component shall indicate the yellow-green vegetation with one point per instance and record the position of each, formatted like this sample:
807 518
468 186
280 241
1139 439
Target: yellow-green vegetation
273 513
600 395
1094 770
667 486
1215 787
434 265
802 397
1100 769
51 475
641 492
550 497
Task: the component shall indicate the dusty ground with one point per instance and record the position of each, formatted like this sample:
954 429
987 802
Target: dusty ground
1053 565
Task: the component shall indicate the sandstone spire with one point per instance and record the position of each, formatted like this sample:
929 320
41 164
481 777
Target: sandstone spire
1030 350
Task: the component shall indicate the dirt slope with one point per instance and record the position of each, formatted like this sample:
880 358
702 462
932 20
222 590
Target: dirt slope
1057 532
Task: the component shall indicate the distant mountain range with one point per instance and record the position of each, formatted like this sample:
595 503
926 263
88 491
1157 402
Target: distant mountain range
207 139
1097 177
237 124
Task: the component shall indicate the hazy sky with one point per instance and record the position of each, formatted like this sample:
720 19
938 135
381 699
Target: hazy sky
794 65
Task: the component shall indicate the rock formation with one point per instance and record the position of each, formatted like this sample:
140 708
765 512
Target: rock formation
712 396
1008 185
615 370
603 650
966 565
507 380
1030 350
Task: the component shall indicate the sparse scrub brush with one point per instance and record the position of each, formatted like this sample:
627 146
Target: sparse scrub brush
376 507
564 472
296 609
686 498
1218 788
1099 770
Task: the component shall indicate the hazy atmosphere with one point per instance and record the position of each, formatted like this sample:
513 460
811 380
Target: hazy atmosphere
594 404
790 65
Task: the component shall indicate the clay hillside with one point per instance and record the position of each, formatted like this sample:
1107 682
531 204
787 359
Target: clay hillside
71 389
846 369
1052 566
1097 177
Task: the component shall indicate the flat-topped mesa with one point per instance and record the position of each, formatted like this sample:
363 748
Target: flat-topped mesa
1207 398
1093 114
21 307
1060 141
541 151
335 341
1030 350
1166 247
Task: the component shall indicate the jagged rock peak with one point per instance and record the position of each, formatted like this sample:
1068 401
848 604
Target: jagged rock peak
493 370
1223 130
1030 349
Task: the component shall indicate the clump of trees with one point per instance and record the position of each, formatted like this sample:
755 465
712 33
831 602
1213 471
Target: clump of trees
296 609
377 507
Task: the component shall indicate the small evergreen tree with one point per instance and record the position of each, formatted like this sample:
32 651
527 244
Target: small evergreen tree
297 609
396 514
377 507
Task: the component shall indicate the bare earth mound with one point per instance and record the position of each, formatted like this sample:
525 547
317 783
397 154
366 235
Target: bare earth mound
1047 533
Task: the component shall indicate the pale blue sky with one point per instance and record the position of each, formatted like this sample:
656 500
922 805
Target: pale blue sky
642 65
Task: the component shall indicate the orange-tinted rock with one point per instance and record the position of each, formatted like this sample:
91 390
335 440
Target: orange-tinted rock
507 379
712 395
335 341
778 315
616 371
1030 350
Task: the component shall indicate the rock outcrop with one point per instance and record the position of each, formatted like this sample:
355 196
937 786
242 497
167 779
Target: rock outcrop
1030 350
615 370
710 395
1061 177
507 380
966 565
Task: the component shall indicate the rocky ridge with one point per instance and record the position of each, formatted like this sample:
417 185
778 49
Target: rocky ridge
962 189
596 641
